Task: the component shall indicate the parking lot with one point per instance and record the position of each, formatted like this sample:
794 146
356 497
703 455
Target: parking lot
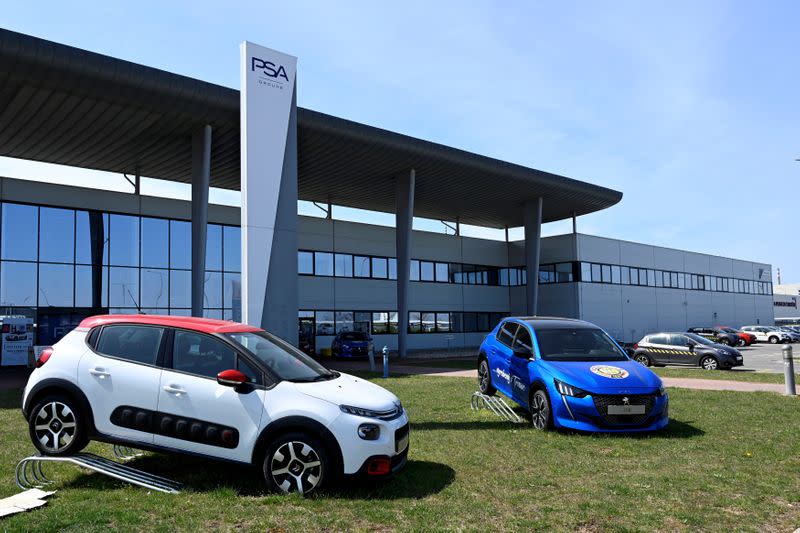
766 358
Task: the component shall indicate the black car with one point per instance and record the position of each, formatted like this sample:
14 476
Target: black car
718 335
685 349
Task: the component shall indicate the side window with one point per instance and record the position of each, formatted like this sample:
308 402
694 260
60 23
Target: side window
507 332
678 340
138 344
249 371
658 339
200 354
523 340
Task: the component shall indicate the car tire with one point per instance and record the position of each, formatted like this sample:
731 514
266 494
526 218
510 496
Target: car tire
540 410
296 462
58 426
726 342
709 362
643 359
485 378
741 342
774 340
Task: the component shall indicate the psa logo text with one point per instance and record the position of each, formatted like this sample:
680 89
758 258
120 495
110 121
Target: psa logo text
269 68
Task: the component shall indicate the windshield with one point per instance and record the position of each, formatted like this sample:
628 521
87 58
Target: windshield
698 339
353 336
577 344
283 359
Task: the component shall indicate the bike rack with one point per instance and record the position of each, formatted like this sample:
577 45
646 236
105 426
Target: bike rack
29 473
495 404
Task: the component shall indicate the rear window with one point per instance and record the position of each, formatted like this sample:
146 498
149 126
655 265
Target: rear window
138 344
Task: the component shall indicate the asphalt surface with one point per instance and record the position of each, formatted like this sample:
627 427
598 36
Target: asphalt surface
767 358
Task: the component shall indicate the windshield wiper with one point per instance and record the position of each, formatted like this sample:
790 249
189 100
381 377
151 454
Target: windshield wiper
321 377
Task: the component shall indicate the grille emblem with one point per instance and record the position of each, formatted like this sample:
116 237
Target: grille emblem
626 401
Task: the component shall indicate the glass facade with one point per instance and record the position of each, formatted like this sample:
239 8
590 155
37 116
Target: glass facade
67 259
385 322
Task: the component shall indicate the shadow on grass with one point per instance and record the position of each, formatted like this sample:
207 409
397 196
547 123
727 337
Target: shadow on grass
417 480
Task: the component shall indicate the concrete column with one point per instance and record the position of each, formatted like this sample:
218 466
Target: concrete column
201 175
403 222
533 233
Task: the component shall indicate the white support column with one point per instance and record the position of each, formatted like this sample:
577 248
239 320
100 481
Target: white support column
533 233
404 218
201 176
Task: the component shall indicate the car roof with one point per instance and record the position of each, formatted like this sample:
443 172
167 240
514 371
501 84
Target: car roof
205 325
554 322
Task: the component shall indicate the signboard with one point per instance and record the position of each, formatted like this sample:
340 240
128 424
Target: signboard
16 339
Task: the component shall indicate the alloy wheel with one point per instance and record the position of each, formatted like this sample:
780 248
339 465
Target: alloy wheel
483 376
643 360
296 467
55 426
709 363
539 411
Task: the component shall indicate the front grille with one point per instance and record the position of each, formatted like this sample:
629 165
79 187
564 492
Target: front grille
399 435
358 350
602 401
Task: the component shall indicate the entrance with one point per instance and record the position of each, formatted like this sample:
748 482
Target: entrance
307 337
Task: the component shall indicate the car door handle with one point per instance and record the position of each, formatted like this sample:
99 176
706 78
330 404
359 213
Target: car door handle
171 389
99 372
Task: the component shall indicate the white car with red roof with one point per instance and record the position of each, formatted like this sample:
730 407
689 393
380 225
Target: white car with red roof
217 389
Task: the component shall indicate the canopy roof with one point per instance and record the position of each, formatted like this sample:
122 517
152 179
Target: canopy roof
64 105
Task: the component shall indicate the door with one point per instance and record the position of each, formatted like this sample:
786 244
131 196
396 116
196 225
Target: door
520 376
198 414
307 338
500 356
680 354
659 348
122 373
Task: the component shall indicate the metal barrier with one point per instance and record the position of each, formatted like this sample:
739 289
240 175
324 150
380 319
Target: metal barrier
496 405
29 473
125 453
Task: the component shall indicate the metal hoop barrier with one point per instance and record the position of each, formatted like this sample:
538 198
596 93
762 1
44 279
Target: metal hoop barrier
125 453
29 473
494 404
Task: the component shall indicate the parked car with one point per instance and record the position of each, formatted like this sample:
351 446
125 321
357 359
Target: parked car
716 335
793 335
217 389
745 339
767 334
685 349
570 374
351 344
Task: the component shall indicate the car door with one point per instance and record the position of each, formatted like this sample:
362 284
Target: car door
196 413
680 352
658 348
500 356
518 367
120 377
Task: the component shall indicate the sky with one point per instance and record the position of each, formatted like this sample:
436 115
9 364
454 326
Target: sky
689 108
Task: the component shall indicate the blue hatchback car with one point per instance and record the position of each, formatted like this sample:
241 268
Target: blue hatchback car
570 374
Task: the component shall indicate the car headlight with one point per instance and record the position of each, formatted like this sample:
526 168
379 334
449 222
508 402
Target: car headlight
389 414
569 390
662 391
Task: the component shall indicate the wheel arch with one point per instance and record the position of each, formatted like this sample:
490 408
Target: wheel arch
59 386
300 424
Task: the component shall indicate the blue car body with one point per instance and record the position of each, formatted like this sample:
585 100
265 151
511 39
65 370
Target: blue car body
601 396
351 344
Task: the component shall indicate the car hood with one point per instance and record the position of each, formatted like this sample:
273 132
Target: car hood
717 348
592 375
350 390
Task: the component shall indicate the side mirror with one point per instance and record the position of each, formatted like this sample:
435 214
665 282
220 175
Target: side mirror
231 378
691 345
522 353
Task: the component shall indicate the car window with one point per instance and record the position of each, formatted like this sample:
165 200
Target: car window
138 344
248 370
658 339
200 354
677 340
522 341
507 332
577 344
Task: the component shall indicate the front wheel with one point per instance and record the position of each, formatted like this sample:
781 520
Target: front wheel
642 359
296 462
541 414
773 340
57 426
485 379
741 342
709 363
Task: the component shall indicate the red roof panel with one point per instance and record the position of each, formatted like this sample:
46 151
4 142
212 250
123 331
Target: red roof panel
205 325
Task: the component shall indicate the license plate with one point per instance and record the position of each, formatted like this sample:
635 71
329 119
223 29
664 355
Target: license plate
738 359
402 444
626 409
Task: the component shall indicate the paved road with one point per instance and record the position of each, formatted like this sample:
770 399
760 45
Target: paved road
767 357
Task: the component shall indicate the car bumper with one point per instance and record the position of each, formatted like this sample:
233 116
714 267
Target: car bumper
583 415
357 454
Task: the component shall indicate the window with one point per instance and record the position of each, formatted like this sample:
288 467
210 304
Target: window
615 275
361 266
232 291
456 323
428 322
343 265
232 248
586 272
442 272
180 288
55 285
124 240
323 264
344 321
596 273
606 273
392 268
380 323
325 323
522 341
180 244
414 273
212 290
658 339
57 235
380 268
155 242
506 333
442 322
200 354
634 275
483 322
83 286
123 287
305 262
20 229
651 278
547 274
414 324
393 327
361 322
426 271
626 275
138 344
470 322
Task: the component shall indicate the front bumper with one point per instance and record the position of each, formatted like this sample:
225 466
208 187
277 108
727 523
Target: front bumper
583 414
357 453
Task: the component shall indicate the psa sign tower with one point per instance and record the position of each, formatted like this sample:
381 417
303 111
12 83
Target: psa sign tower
269 189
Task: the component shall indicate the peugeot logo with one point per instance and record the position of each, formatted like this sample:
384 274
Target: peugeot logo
626 401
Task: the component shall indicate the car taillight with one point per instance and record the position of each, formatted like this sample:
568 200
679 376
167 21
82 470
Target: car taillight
635 345
46 353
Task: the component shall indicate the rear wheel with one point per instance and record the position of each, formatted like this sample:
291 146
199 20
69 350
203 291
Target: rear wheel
709 363
541 414
57 426
741 342
642 359
773 340
296 462
485 378
726 342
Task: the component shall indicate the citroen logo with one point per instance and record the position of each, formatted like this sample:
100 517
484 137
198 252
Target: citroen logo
626 401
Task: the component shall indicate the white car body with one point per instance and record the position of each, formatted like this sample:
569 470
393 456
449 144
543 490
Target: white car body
109 384
766 334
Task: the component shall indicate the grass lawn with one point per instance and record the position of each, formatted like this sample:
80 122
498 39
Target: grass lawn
456 364
731 375
728 461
